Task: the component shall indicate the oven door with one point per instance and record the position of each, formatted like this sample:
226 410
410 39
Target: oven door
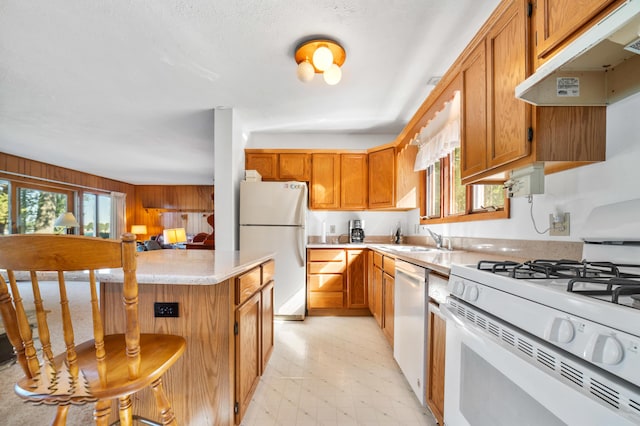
488 384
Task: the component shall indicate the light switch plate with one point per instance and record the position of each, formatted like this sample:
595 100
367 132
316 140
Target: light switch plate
561 228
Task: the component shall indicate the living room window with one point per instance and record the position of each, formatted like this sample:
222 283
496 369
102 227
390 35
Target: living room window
38 208
96 215
4 208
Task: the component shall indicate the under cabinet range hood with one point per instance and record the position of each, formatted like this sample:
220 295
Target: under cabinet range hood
600 67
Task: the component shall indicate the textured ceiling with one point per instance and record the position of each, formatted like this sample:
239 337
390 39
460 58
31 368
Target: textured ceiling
126 89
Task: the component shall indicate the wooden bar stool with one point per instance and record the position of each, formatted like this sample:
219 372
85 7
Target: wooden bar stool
96 371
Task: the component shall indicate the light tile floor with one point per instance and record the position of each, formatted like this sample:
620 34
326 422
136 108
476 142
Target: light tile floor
333 371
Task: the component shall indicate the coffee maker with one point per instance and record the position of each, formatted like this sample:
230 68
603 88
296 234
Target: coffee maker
356 231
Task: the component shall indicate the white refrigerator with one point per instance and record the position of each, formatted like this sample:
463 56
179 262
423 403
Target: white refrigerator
273 217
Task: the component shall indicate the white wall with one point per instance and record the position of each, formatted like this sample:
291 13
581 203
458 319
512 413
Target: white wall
576 191
317 140
229 171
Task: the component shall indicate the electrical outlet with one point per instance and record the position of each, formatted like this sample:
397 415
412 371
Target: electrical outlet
332 229
559 225
166 310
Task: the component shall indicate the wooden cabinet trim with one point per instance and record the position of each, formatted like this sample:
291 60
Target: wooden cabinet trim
247 284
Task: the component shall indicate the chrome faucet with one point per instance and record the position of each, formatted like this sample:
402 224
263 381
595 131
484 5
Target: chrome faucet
436 237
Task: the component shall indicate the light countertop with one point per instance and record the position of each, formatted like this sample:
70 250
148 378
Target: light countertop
434 259
189 267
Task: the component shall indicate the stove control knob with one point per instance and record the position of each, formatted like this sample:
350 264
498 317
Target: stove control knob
605 349
458 288
560 331
471 293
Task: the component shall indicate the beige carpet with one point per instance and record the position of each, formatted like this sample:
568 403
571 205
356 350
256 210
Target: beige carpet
13 410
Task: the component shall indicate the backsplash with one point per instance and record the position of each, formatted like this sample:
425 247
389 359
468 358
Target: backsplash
530 249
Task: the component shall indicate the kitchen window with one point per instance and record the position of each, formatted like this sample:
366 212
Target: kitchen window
447 200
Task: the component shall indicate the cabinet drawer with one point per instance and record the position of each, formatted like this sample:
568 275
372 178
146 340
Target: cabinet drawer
326 300
326 267
389 266
377 259
268 270
247 284
326 282
327 255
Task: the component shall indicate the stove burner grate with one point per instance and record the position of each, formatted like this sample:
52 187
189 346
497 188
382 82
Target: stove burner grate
614 287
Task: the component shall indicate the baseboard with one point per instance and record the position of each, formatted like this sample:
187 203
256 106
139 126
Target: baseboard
298 317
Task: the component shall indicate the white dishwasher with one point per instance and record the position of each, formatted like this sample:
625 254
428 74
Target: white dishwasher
410 324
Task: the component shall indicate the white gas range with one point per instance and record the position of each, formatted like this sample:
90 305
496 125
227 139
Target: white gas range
549 341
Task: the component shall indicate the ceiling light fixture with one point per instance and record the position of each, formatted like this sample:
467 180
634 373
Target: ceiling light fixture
320 56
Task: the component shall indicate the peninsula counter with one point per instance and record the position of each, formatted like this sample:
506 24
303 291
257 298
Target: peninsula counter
203 386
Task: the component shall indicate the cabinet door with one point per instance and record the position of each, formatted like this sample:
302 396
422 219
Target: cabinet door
557 21
266 323
325 181
354 175
294 166
357 279
376 308
382 174
407 180
435 365
248 362
509 117
473 131
388 284
370 280
265 163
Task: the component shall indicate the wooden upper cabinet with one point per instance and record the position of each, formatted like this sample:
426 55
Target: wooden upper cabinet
280 165
265 163
473 131
508 117
325 181
407 180
354 175
382 175
494 123
500 133
557 22
294 166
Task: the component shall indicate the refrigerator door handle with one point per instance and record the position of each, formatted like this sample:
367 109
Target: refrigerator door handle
302 199
301 245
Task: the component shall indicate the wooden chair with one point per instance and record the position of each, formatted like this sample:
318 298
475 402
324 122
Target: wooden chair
96 371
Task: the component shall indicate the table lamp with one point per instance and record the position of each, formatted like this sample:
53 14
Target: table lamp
174 235
68 221
139 230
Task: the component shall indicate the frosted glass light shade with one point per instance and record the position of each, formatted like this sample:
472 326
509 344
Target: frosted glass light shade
332 75
322 58
305 71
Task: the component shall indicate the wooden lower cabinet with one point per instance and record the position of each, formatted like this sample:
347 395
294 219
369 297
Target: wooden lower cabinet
248 358
266 326
337 282
357 279
376 287
382 285
388 288
436 348
253 330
